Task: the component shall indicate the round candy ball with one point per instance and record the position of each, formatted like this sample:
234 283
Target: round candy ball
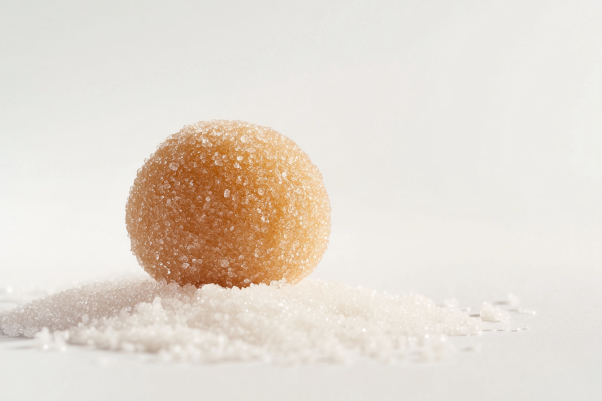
229 203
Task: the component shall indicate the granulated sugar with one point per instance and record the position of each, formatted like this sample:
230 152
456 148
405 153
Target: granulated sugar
313 321
490 313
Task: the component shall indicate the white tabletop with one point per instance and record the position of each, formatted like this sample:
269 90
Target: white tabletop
459 142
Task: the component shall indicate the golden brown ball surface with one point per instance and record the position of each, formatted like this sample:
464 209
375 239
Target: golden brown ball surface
230 203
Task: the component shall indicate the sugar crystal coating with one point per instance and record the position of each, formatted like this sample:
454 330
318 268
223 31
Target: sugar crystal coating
229 203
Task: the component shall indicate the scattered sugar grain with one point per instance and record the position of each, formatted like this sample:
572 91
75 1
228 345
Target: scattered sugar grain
313 321
491 313
513 301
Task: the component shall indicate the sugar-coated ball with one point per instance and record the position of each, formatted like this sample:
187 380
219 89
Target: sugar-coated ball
230 203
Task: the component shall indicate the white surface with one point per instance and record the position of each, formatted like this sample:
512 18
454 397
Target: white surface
459 141
557 359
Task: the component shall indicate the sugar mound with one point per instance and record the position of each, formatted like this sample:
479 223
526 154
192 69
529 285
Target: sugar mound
65 309
313 321
229 203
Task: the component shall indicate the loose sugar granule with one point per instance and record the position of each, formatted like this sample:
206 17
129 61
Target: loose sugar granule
229 203
313 321
490 313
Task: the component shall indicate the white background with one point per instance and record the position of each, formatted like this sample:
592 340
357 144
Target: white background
460 142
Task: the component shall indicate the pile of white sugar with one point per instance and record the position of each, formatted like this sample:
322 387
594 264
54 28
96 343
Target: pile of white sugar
313 321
